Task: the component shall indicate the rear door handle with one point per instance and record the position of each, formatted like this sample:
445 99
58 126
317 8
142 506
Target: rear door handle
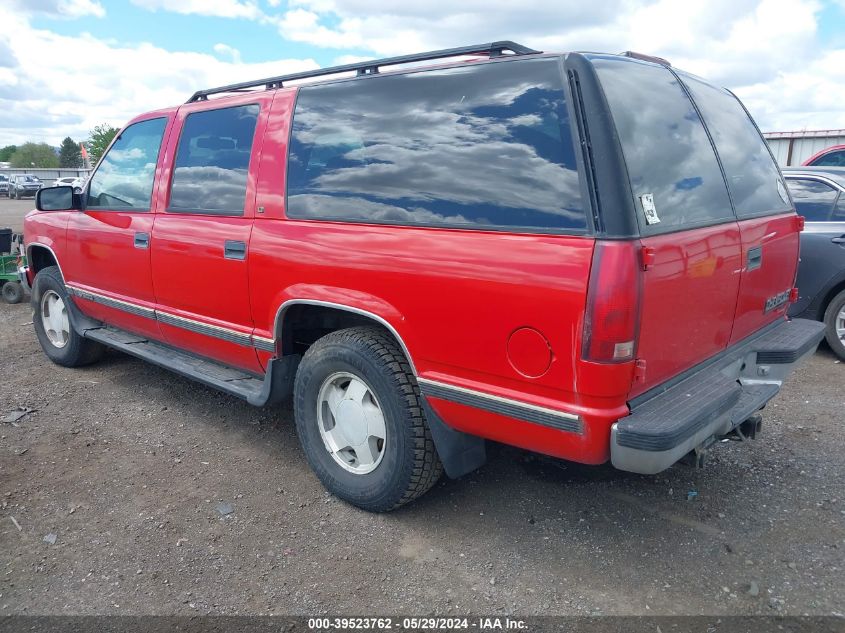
233 249
142 240
755 258
838 240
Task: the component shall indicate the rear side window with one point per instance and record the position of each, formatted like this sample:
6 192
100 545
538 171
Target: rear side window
813 199
671 163
124 177
753 177
477 146
212 162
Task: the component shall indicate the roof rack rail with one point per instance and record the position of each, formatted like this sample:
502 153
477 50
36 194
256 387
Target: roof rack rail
647 58
493 49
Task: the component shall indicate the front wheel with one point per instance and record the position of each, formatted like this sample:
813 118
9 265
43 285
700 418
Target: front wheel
62 344
834 320
360 420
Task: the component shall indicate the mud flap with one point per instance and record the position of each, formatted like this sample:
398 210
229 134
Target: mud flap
459 452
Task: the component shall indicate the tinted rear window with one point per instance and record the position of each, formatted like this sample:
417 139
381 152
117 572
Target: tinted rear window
482 146
666 149
753 177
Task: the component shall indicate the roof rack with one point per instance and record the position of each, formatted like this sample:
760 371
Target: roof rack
647 58
493 49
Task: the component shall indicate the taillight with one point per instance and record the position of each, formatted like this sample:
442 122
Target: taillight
612 322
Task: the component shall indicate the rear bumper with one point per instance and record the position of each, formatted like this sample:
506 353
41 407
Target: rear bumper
673 419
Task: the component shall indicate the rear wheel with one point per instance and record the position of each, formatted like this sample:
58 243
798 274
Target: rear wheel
360 421
834 320
12 292
62 344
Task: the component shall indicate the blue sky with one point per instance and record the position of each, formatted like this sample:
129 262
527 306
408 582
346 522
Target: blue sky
68 65
132 25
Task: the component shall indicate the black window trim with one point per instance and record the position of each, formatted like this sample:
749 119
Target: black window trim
168 120
207 212
588 231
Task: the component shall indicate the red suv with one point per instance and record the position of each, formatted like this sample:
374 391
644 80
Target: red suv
585 255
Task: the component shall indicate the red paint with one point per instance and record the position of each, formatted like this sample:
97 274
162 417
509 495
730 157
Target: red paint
778 239
498 313
689 300
529 352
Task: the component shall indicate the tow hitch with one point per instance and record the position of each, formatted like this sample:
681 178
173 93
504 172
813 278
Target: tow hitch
747 430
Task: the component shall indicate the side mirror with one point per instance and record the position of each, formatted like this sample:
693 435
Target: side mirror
56 199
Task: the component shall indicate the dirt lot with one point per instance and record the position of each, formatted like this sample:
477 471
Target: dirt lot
12 212
167 498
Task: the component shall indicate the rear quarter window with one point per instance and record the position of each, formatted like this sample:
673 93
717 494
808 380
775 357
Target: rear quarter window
753 177
666 148
484 146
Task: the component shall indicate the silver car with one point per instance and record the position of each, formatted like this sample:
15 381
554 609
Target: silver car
23 186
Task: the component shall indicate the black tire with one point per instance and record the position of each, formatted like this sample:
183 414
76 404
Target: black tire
409 466
836 305
77 351
12 292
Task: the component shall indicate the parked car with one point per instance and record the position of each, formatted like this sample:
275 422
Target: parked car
23 186
76 182
833 156
819 196
531 248
4 184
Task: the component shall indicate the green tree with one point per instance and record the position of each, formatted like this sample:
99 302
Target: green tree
69 153
99 140
34 155
6 153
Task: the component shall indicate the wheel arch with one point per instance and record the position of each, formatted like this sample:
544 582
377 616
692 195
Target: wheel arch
298 321
40 256
829 295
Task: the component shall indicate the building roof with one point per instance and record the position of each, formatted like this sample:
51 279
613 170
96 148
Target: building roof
806 134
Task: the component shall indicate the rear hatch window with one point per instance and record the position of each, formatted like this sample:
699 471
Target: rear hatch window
753 177
673 170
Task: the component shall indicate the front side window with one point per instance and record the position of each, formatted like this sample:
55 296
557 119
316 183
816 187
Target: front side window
124 179
484 146
675 177
813 199
212 162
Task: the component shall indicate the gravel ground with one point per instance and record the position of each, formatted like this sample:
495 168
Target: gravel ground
164 497
128 490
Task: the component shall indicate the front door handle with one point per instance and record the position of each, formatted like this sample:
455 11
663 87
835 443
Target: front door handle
838 240
142 240
755 258
233 249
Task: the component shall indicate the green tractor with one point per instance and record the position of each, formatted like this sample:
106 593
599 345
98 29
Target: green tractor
10 260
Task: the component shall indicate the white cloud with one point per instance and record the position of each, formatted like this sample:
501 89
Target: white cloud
219 8
229 52
767 51
47 94
59 8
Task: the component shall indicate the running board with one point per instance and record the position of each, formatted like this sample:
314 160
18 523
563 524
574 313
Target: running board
273 387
